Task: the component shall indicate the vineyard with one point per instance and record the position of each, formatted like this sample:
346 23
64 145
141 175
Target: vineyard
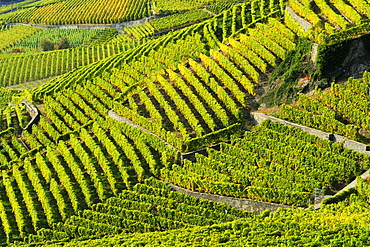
53 12
272 163
331 111
17 68
13 35
168 6
133 126
328 226
75 38
333 21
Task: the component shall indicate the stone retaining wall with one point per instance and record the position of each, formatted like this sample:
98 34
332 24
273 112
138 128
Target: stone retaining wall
239 203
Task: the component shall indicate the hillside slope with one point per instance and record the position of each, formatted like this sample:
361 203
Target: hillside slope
88 154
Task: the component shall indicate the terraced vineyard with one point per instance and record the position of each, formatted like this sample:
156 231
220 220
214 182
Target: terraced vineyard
272 163
52 12
333 20
13 35
75 37
120 138
148 207
268 229
331 111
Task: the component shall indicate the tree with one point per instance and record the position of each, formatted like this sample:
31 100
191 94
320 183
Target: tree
46 45
62 44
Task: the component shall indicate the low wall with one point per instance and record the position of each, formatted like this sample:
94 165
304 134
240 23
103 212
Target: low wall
31 109
302 22
239 203
34 113
347 143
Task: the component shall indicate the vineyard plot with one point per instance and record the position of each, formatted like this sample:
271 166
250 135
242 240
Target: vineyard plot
272 163
331 112
148 207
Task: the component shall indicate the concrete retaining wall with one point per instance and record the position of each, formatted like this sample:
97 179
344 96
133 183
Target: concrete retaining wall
302 22
34 113
347 143
240 203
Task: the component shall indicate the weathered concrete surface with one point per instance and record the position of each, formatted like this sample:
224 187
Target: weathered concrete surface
302 22
31 109
314 52
239 203
350 185
206 10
